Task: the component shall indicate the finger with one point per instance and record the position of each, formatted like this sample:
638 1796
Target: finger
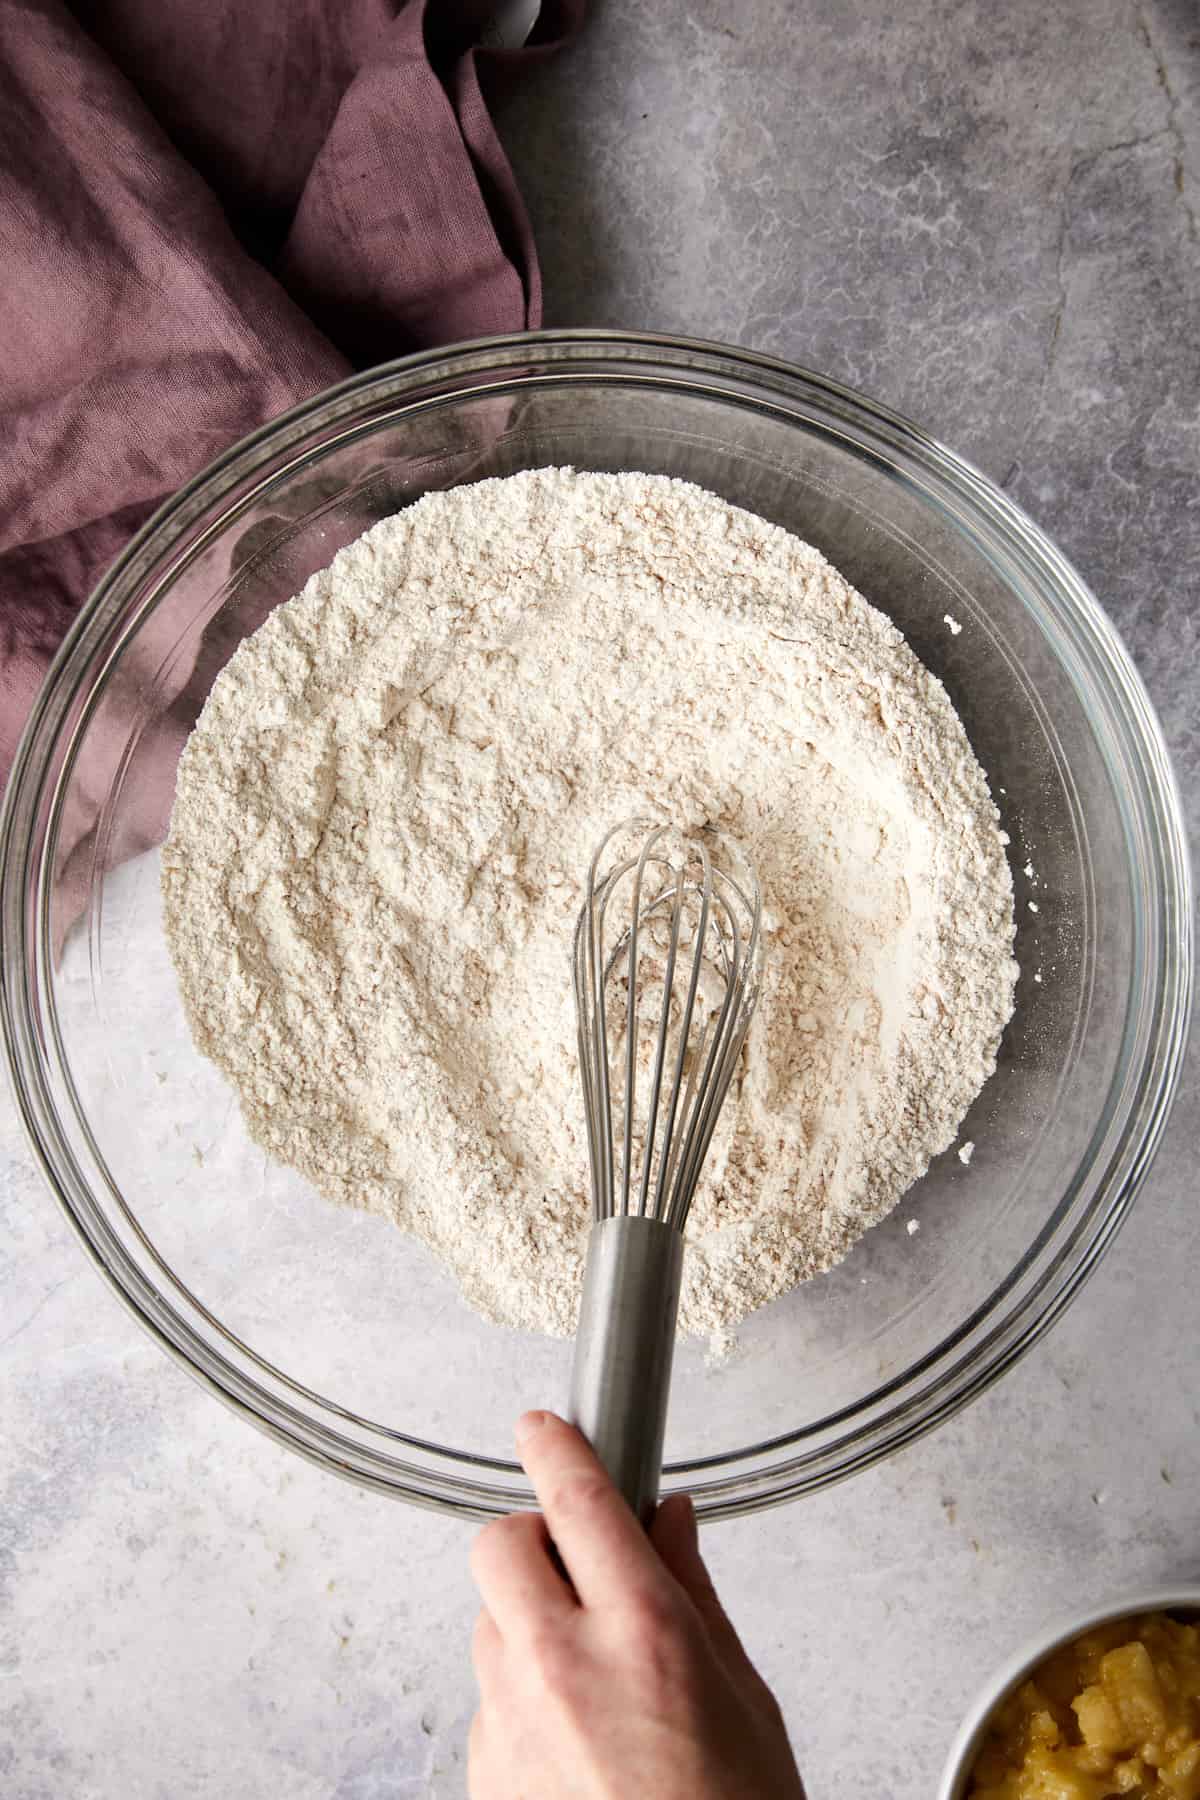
603 1548
676 1538
487 1648
511 1561
478 1785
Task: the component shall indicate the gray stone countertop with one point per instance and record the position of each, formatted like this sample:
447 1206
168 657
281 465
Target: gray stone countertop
985 216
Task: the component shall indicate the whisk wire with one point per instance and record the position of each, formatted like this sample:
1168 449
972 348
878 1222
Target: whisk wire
718 921
718 1071
660 1052
631 1015
597 1090
671 1141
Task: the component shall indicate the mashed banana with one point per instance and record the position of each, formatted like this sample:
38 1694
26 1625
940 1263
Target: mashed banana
1117 1712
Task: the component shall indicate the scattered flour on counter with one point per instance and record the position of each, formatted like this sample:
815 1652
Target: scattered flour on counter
384 817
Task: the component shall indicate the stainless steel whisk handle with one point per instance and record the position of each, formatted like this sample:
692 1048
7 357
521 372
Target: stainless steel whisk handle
621 1374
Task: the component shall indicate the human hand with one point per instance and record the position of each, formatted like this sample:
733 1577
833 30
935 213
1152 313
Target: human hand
625 1680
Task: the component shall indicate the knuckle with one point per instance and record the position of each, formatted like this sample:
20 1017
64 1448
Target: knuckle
579 1495
770 1706
656 1617
483 1639
551 1658
703 1592
665 1674
558 1670
662 1644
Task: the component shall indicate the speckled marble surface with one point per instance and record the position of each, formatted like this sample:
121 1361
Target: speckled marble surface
987 217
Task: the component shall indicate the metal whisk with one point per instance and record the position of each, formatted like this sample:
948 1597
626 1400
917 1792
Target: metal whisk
666 968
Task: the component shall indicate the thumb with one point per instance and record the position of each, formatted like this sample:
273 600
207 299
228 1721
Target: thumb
675 1536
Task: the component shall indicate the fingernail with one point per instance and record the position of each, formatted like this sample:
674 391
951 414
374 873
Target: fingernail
527 1425
684 1514
687 1509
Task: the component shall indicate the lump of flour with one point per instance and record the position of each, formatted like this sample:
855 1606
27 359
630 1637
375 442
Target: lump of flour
385 814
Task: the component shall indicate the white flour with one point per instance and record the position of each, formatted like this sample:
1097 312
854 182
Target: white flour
384 817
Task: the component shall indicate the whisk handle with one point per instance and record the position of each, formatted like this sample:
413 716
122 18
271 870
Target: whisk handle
626 1339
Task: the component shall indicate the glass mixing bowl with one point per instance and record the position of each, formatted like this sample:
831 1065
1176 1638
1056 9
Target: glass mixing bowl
331 1330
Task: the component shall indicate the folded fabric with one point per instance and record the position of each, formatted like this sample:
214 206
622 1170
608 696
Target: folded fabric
209 211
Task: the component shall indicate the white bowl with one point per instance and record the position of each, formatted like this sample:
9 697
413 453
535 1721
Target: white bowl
1018 1668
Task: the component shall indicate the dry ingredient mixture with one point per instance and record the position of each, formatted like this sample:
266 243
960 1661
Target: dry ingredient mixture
385 814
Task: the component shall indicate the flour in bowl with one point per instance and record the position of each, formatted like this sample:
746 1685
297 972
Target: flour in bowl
384 817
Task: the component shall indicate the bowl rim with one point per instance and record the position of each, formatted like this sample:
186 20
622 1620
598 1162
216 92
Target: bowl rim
1065 1626
1125 1162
